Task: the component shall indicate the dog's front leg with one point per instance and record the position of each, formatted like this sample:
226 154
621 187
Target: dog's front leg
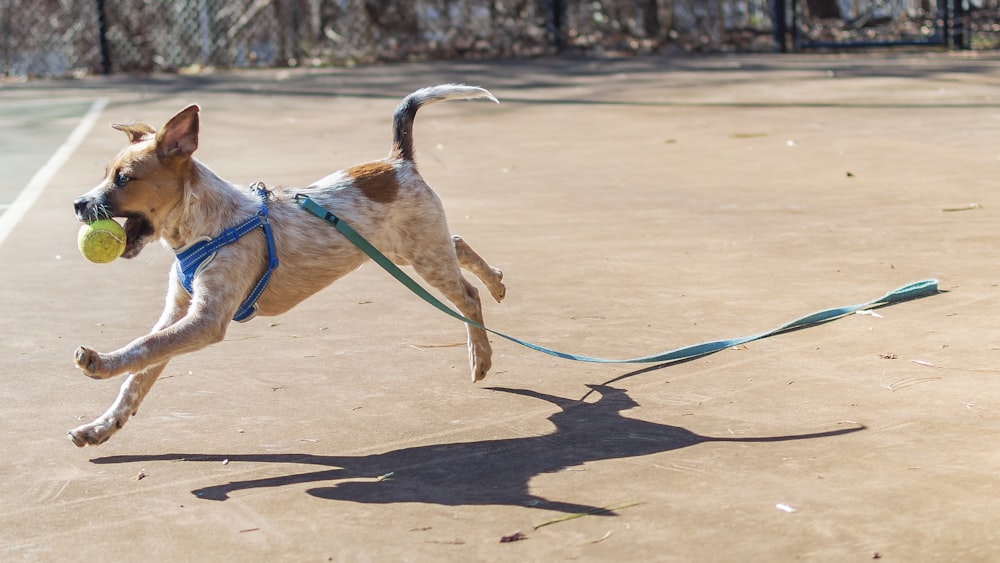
135 388
96 365
138 384
126 405
185 326
191 333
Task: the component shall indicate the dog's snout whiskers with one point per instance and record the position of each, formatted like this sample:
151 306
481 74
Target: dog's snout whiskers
89 210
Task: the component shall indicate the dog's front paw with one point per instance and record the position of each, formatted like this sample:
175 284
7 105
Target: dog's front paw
91 363
97 432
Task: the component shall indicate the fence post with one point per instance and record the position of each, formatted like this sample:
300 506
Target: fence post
102 32
780 25
204 32
559 24
959 22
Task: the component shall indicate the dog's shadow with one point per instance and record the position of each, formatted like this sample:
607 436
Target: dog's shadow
486 472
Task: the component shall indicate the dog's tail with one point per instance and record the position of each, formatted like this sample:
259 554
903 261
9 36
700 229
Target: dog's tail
402 119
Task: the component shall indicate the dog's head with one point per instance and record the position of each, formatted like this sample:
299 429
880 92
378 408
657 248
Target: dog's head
146 181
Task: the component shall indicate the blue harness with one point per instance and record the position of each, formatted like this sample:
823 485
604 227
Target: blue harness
194 257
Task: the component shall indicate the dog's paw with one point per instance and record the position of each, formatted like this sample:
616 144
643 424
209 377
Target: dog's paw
91 363
95 433
480 362
497 289
82 438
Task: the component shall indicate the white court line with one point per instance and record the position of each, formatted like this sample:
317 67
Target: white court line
19 208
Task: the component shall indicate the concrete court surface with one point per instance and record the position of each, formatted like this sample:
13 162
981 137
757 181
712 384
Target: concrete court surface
635 206
31 131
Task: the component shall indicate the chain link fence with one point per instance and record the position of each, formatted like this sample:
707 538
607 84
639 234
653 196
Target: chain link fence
78 37
872 23
64 37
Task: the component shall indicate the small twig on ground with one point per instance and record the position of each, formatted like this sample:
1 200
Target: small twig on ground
425 347
969 207
602 538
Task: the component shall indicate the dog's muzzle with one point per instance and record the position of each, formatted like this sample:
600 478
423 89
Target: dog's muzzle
138 228
90 208
80 206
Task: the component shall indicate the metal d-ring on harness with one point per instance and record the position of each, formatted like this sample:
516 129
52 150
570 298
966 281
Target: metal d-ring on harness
905 293
192 258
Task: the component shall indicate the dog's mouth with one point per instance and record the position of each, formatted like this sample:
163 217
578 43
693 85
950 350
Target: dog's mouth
139 230
138 233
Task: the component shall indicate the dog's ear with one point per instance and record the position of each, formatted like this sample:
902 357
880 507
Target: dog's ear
179 137
136 131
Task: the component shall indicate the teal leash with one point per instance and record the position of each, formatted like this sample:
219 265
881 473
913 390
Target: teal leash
914 290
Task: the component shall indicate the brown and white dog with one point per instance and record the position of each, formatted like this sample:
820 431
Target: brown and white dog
163 192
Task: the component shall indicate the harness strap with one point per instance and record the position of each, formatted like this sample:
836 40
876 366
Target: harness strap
912 291
194 257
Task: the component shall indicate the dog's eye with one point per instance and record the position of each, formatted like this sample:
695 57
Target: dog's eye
121 180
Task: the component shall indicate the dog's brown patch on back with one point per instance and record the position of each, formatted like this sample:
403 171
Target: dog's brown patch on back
376 180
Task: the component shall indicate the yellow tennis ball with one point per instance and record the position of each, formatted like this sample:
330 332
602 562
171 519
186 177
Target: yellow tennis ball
101 241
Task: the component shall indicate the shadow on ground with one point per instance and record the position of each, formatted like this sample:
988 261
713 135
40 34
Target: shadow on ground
607 78
486 472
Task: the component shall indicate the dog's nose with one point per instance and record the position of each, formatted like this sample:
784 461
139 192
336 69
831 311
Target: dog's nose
80 207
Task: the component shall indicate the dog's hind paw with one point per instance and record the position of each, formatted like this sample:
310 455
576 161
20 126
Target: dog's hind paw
480 362
497 289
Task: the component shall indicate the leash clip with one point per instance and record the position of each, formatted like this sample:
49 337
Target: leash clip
265 196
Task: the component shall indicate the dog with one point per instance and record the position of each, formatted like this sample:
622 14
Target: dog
163 192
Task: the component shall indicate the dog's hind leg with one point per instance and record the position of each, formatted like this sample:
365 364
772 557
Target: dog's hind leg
491 277
438 265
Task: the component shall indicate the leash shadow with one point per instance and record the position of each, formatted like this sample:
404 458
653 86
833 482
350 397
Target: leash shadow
485 472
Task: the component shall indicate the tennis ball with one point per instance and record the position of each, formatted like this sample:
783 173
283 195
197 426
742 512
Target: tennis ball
101 241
